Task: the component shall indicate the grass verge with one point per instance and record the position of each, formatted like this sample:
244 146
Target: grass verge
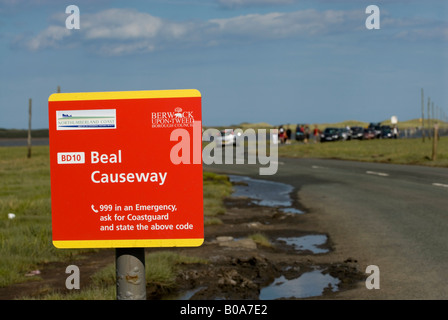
26 240
216 188
398 151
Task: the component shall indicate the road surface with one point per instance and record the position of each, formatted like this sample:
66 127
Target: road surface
391 216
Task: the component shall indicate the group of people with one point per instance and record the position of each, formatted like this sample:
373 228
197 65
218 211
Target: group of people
285 135
305 130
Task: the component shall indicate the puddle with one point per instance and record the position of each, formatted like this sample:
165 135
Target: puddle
291 210
308 242
262 192
309 284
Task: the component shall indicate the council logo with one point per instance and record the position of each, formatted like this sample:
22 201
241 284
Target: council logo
178 118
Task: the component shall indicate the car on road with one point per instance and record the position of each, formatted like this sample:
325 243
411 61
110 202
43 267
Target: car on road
357 132
346 134
386 132
376 126
226 137
331 134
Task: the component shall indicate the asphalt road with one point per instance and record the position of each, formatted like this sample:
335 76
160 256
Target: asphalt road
391 216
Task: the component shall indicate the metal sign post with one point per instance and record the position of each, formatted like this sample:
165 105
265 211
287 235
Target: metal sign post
130 272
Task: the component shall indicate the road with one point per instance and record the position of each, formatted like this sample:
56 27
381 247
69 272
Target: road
391 216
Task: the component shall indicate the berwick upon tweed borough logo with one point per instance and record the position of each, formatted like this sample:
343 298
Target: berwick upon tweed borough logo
172 119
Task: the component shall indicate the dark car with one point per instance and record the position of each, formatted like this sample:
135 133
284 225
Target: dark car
369 134
386 132
376 126
331 134
357 132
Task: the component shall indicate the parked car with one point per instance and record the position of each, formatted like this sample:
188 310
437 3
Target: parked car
346 134
226 136
386 132
376 126
369 133
331 134
357 132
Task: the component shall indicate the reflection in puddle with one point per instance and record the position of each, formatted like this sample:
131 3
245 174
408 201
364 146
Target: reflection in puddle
309 242
291 210
309 284
263 192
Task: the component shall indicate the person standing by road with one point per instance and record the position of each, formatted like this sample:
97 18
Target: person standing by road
395 132
307 134
281 135
316 133
288 135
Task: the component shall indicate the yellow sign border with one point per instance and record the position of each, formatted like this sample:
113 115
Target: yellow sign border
121 95
127 243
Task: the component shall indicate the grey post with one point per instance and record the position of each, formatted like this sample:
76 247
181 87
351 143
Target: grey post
130 268
29 128
434 141
429 120
423 118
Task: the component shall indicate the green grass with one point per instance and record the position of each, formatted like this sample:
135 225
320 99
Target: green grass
216 188
399 151
261 239
26 241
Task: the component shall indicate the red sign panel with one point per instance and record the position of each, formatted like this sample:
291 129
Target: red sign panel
114 181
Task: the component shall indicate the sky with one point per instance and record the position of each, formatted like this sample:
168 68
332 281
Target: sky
274 61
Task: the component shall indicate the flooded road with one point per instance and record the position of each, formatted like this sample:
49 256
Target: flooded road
395 220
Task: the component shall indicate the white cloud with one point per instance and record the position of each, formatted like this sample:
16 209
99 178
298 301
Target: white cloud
111 32
281 25
50 37
121 24
126 31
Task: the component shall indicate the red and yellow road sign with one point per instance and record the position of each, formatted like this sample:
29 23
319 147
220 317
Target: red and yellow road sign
113 182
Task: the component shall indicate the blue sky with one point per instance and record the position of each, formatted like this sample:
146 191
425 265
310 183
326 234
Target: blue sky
275 61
